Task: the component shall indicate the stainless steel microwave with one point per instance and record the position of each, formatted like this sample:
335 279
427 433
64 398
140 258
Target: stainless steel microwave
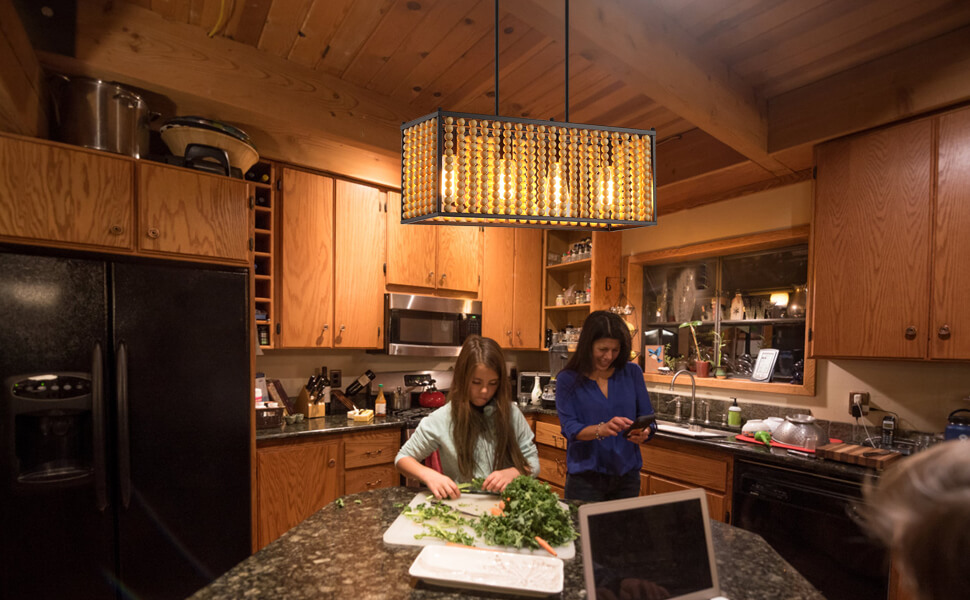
428 325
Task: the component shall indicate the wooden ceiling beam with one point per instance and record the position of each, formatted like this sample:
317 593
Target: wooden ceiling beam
647 50
22 90
140 48
918 79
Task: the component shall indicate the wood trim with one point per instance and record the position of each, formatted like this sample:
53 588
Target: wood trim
23 93
744 384
916 80
737 180
735 245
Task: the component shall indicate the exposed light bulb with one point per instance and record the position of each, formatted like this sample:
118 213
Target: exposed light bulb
559 198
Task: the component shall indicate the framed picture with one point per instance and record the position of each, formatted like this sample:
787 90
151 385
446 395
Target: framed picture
764 367
653 358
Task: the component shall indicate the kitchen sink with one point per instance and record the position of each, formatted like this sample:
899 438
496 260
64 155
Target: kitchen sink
695 432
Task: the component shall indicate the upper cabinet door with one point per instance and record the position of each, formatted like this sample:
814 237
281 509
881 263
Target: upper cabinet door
871 231
306 272
459 266
527 289
950 320
497 285
54 194
359 273
196 214
410 249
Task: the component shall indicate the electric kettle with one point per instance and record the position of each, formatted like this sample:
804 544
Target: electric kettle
958 426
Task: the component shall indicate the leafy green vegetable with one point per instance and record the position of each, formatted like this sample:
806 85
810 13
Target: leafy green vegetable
339 502
531 509
440 521
358 501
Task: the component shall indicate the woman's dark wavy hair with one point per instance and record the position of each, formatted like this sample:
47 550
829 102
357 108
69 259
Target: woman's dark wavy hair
598 325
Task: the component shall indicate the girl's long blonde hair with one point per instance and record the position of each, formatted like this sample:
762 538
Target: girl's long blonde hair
468 423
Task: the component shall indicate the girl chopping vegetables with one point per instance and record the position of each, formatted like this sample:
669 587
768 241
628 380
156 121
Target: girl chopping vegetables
479 433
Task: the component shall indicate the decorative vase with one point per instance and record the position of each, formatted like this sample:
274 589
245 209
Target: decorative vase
703 368
737 307
797 301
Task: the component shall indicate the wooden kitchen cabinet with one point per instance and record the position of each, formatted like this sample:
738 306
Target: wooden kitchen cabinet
446 258
294 480
891 214
190 213
358 271
512 287
305 302
331 274
669 465
369 460
54 194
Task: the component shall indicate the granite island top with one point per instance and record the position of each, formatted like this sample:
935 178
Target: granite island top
338 553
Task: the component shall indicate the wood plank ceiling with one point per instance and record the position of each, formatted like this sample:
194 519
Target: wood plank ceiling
711 76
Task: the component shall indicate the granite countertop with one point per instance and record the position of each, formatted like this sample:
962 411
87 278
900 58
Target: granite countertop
337 424
339 553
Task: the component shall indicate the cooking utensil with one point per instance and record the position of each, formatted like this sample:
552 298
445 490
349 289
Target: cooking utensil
100 114
958 426
798 429
431 397
177 137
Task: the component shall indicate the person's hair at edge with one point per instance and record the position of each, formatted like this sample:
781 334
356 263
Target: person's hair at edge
468 423
921 510
598 325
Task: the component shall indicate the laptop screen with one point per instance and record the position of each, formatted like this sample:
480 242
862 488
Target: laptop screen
649 547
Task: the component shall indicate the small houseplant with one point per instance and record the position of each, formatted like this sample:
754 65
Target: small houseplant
702 366
719 371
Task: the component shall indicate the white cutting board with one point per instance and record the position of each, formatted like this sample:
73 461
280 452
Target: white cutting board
402 530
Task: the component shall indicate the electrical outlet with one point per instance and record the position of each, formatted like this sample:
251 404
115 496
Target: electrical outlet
337 383
858 404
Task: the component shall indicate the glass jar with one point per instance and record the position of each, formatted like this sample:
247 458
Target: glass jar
797 301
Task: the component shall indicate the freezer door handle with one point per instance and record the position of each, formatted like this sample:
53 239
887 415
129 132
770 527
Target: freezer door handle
124 445
98 428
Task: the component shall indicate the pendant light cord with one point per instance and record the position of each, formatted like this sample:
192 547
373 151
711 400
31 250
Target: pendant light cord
567 61
496 58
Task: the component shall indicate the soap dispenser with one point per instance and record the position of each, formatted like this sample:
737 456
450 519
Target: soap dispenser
734 414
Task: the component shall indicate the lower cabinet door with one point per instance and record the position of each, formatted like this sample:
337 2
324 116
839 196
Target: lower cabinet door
552 465
715 501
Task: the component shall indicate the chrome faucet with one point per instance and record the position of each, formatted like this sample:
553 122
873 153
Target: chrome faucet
693 393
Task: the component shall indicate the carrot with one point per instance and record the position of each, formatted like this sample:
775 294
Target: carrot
545 546
497 511
501 504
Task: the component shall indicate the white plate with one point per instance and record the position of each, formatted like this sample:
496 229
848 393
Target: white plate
474 569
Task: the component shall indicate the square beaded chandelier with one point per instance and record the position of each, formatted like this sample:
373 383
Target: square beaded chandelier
466 169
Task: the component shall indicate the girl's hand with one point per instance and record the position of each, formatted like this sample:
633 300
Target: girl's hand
441 485
497 480
615 426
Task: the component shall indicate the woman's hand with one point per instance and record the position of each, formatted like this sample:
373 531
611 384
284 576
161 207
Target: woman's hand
441 485
497 480
640 436
615 426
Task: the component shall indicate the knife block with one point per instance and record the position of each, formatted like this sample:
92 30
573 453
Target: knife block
312 411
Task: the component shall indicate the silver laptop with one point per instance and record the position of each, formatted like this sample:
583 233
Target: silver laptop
649 547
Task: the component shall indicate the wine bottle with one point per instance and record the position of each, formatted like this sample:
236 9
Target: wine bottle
359 383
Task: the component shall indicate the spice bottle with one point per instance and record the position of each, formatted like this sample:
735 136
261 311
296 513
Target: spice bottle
380 405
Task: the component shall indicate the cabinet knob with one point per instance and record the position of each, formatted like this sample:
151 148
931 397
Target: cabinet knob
332 463
116 230
153 233
443 275
430 275
342 327
944 332
910 333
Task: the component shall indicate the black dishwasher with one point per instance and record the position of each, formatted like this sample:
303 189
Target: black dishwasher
807 518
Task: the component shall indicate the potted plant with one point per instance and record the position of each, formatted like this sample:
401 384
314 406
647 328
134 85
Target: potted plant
703 366
719 370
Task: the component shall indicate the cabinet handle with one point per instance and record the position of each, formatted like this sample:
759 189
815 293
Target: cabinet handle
910 333
561 466
326 326
332 463
443 275
116 230
153 233
373 483
944 332
430 275
374 452
342 327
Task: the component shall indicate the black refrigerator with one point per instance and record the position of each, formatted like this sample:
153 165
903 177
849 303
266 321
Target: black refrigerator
125 425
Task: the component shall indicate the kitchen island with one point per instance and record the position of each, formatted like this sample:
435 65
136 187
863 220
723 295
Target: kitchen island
338 553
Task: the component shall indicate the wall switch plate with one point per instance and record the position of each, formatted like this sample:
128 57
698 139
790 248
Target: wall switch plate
336 381
858 404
